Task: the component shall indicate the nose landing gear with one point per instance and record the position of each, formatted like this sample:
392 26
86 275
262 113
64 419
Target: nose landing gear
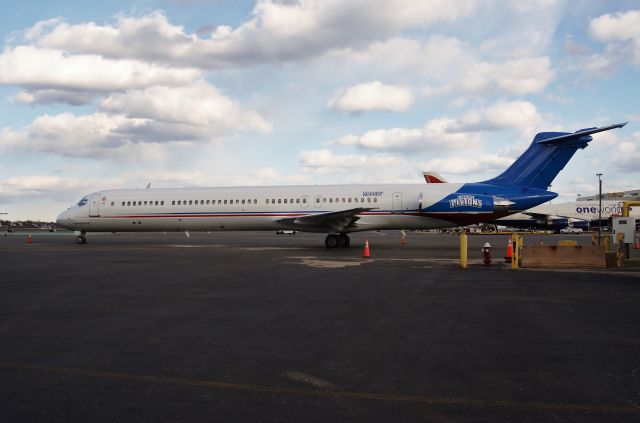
81 239
337 241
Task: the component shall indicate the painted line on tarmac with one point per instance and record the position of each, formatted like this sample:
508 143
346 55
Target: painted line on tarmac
309 380
420 399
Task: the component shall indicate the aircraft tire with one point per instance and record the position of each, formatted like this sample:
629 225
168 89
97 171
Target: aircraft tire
331 241
345 241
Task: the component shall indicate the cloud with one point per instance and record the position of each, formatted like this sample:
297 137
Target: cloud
372 96
138 121
451 134
483 163
200 106
521 115
277 31
627 156
621 34
54 76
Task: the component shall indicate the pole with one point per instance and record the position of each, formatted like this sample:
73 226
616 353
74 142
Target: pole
599 208
463 251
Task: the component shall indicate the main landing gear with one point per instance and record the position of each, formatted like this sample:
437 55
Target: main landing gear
81 239
337 241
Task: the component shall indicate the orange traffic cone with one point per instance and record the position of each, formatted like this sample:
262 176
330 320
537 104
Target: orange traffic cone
509 251
367 253
403 240
636 246
29 239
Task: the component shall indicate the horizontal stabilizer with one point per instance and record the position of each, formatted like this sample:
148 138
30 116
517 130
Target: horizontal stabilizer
580 133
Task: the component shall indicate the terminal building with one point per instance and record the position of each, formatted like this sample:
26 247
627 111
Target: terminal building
620 195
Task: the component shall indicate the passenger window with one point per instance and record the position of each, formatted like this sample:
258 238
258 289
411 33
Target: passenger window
349 199
337 200
123 203
207 202
375 199
279 200
304 201
331 200
225 201
285 201
297 201
173 202
368 199
343 200
139 203
190 202
128 203
202 202
291 201
255 201
145 203
162 203
237 201
220 202
179 202
273 201
324 199
242 201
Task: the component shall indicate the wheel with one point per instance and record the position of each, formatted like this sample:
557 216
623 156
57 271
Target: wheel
345 241
81 239
331 241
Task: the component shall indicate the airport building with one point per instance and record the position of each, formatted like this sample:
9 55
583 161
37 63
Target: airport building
620 195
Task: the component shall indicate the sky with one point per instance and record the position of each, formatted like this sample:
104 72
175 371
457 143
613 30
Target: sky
181 93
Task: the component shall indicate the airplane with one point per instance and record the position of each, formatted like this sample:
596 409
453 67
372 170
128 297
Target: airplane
336 210
579 214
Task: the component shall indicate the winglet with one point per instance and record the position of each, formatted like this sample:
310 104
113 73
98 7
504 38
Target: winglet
581 133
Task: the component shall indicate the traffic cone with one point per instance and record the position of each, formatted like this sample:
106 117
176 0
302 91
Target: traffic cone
509 251
403 240
29 239
636 246
367 253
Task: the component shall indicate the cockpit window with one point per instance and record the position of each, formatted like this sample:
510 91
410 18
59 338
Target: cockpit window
82 202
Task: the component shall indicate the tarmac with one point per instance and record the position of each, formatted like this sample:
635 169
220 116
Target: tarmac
250 326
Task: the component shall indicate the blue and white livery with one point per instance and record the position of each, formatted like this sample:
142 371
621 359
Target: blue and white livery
333 209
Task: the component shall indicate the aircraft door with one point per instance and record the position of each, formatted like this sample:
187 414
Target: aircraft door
396 205
94 206
305 201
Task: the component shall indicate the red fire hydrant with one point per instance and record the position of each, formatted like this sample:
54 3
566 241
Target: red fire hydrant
486 254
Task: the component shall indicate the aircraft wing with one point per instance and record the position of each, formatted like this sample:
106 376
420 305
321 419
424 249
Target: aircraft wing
544 216
329 222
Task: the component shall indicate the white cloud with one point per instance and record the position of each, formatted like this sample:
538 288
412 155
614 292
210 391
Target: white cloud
277 31
200 106
520 115
138 121
482 163
52 75
371 96
451 134
621 34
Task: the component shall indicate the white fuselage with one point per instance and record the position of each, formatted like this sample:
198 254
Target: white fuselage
253 208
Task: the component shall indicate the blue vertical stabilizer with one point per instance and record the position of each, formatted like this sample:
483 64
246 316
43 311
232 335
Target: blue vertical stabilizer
547 155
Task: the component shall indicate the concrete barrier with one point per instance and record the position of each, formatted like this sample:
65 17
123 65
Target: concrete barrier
570 257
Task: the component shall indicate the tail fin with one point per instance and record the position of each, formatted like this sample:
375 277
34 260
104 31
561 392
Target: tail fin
547 155
433 178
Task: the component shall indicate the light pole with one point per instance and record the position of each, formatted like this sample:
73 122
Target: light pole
599 175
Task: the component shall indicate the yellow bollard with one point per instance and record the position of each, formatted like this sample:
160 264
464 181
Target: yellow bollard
607 243
515 242
620 250
594 240
463 251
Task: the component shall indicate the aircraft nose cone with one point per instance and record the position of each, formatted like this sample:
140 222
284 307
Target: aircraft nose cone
63 219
